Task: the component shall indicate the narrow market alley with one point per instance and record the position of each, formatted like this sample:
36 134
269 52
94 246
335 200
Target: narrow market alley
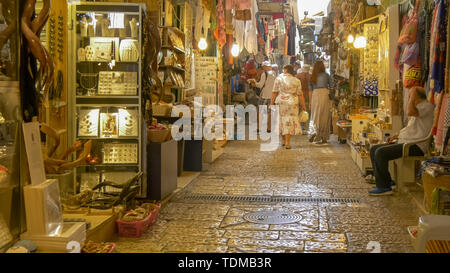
324 175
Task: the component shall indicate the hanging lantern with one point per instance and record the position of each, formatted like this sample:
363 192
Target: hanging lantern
202 44
350 39
235 49
360 42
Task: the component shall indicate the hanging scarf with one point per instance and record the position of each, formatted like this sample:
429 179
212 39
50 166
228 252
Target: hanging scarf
221 32
439 59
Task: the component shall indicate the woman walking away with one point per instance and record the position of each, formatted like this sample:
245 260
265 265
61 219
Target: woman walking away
320 105
287 93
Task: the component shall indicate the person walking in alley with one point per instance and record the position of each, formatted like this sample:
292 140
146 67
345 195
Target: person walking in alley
266 84
421 115
304 78
287 93
320 105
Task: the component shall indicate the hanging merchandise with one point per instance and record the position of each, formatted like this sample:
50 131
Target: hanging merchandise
202 21
413 75
291 38
409 30
370 64
438 48
221 24
243 15
412 66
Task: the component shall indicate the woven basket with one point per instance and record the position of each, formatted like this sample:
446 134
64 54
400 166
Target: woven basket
157 135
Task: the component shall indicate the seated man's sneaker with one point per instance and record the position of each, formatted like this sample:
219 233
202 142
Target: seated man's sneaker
380 191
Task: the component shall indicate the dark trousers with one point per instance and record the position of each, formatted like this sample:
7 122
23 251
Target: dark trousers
380 155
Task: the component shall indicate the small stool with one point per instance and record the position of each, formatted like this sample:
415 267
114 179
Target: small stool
431 227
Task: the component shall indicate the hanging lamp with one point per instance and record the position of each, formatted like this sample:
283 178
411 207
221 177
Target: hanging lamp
235 49
202 44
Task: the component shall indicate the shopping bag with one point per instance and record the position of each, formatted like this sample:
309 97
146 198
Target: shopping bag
304 117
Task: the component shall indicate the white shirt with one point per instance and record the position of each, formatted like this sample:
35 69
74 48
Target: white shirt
266 93
419 127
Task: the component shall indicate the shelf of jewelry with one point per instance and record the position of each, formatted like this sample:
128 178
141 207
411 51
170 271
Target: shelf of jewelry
106 91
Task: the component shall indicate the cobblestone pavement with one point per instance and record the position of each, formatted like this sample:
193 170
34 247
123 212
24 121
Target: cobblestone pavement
307 170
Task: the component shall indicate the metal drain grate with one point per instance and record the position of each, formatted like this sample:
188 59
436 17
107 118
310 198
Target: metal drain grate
270 199
272 217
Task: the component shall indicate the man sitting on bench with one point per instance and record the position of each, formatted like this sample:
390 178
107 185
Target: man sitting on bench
421 115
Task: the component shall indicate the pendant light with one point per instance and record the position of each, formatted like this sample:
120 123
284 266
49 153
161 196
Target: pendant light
202 44
360 42
235 49
350 39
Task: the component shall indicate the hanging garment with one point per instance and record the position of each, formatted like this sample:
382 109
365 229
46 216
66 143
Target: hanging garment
438 71
251 32
423 35
278 16
213 12
260 25
441 123
221 25
239 32
446 126
202 21
438 48
291 38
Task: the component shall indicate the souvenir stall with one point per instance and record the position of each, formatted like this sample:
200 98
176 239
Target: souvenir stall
10 121
364 46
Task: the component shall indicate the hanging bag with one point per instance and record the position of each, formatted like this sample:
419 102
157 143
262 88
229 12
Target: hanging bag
413 76
409 30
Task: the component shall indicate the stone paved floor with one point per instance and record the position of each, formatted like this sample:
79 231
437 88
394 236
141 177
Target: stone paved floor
307 171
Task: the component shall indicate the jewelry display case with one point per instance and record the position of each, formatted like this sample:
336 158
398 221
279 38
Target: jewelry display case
10 119
105 90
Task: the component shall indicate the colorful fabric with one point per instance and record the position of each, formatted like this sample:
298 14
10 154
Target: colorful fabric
221 24
439 56
288 88
441 123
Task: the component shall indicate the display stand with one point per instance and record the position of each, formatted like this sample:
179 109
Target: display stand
193 153
162 169
105 88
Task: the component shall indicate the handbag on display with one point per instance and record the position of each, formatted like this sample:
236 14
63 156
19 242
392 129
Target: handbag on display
413 76
409 30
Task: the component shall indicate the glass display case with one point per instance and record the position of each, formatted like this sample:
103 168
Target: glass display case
10 118
105 91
